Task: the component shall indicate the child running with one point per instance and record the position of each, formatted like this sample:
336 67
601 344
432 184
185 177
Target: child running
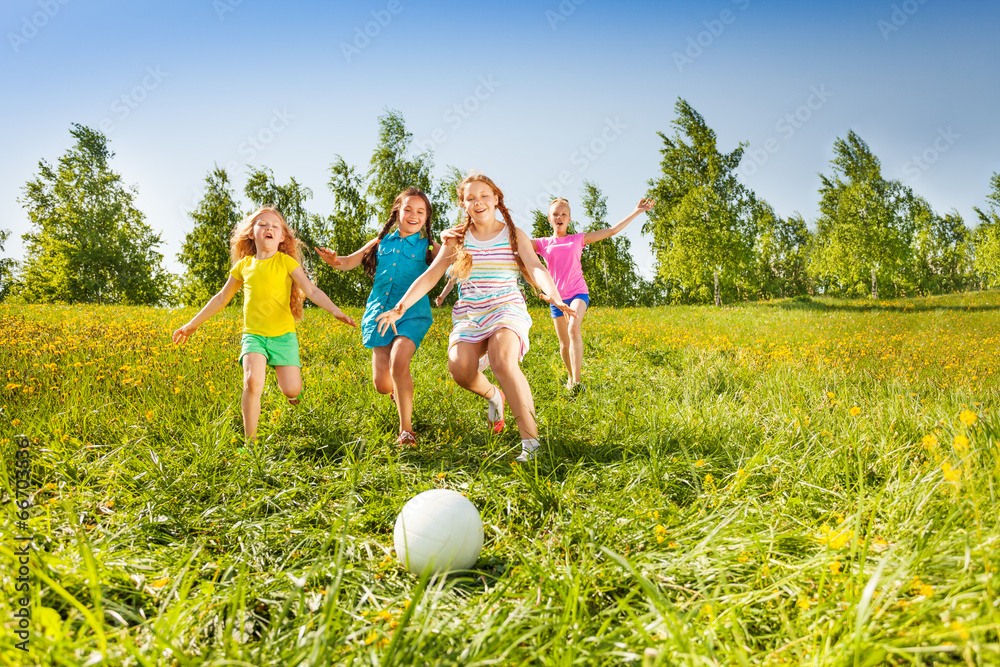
266 260
490 316
562 256
394 261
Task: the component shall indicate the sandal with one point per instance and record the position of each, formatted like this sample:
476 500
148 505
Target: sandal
407 438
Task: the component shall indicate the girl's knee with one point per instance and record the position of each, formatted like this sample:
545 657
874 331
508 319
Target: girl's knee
253 383
383 383
463 374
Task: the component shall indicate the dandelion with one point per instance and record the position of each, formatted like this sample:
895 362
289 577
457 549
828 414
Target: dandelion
855 411
926 590
803 603
699 463
835 567
958 628
968 417
929 442
961 443
661 532
950 473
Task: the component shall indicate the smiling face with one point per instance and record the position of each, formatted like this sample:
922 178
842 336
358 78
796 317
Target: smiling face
267 232
559 218
412 215
479 202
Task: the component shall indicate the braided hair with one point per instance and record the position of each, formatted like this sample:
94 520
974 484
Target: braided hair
369 261
463 259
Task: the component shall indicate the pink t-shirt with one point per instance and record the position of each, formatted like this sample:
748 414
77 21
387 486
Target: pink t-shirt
563 258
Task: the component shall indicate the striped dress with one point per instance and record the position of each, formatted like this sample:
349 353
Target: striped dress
489 300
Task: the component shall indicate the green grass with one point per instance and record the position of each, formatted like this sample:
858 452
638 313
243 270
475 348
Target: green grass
748 485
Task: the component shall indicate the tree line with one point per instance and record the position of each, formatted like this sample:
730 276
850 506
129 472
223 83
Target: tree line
713 238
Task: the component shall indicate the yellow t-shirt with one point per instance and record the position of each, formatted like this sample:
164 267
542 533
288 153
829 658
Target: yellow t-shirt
267 288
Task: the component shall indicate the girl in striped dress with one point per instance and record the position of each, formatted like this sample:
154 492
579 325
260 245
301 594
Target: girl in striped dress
490 317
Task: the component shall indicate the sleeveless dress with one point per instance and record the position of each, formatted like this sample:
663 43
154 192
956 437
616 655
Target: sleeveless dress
400 262
489 299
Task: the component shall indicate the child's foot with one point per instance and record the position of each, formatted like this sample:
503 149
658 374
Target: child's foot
529 450
494 410
407 438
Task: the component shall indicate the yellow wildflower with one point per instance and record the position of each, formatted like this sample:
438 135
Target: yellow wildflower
968 417
855 411
699 463
835 567
950 473
929 442
961 443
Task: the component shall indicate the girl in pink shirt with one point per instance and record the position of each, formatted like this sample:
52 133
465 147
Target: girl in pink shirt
562 253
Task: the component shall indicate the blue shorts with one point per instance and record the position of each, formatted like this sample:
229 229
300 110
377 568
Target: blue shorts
278 350
582 297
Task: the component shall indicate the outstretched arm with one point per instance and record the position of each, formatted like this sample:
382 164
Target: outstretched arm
214 305
540 274
601 234
418 288
347 263
319 297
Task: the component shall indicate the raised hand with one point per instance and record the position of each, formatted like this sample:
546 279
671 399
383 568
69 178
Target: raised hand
644 205
567 310
330 258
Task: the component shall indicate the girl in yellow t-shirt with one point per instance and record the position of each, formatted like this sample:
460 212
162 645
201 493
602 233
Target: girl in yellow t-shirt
266 260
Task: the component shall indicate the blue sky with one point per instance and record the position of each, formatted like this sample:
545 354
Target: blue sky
527 92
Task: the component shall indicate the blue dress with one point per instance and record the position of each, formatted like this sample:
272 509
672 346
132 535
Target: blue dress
400 262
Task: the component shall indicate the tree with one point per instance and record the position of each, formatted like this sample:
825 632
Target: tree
866 222
7 266
608 267
361 201
702 225
939 250
89 243
986 237
390 171
781 251
205 252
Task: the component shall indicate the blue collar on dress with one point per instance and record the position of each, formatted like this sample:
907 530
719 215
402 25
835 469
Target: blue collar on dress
411 240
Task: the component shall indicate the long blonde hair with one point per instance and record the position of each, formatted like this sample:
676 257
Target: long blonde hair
462 266
241 244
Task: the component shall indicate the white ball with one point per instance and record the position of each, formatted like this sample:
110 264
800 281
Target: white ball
438 531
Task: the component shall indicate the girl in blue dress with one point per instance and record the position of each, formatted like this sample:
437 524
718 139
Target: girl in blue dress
395 260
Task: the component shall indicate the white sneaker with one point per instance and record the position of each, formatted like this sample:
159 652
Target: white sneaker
528 452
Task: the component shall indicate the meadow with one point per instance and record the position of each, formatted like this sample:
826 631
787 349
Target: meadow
794 482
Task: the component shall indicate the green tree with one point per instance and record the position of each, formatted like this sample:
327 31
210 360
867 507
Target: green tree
781 252
7 266
205 252
89 243
866 221
940 251
986 237
702 226
391 170
608 267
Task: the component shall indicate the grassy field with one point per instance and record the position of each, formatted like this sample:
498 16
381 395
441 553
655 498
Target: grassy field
799 482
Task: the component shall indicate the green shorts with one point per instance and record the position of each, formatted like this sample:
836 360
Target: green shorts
278 350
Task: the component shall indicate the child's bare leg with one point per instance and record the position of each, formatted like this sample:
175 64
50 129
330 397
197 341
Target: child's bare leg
506 345
463 364
401 351
562 331
254 368
575 327
381 377
289 382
